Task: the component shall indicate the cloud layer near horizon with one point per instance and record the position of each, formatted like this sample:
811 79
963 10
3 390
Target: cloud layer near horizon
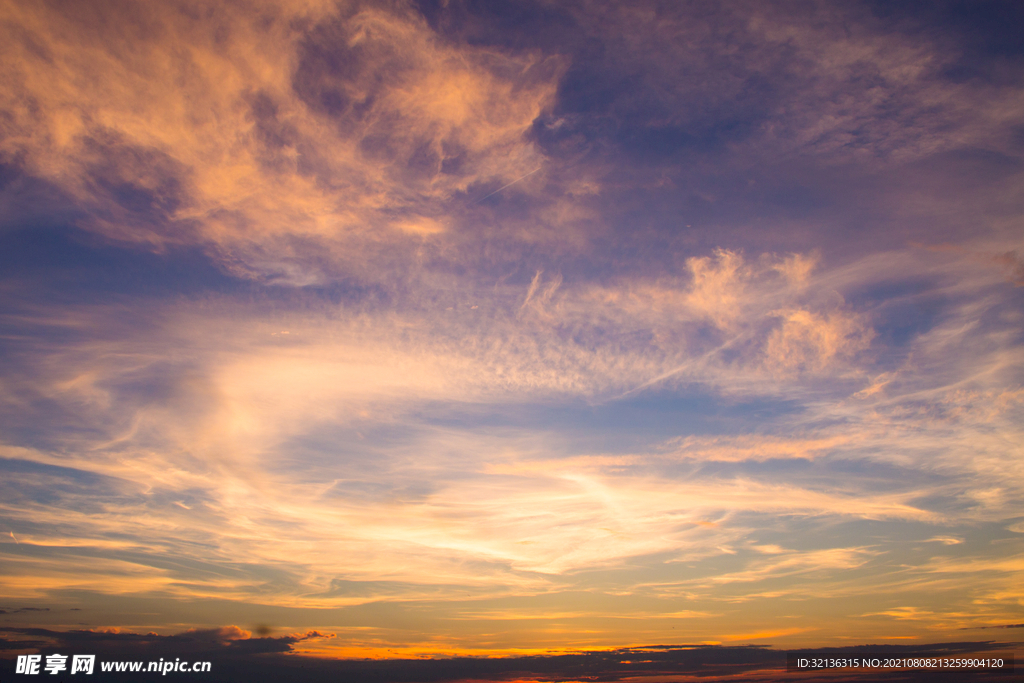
371 306
230 650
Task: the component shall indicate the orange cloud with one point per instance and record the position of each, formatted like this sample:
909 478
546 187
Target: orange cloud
241 127
808 342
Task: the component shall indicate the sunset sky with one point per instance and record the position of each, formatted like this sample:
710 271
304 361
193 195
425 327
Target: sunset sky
465 327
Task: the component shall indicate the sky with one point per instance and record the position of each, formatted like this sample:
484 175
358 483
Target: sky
484 328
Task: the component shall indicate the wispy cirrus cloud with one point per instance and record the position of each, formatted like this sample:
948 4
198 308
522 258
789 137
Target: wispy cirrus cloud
265 134
244 435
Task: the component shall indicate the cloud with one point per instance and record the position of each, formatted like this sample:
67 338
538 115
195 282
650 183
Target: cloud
229 641
755 662
348 436
391 306
808 342
903 613
264 133
302 143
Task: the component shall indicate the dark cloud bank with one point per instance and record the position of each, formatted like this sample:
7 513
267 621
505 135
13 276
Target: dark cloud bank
271 659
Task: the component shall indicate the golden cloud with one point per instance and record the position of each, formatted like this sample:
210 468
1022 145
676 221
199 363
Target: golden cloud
245 126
